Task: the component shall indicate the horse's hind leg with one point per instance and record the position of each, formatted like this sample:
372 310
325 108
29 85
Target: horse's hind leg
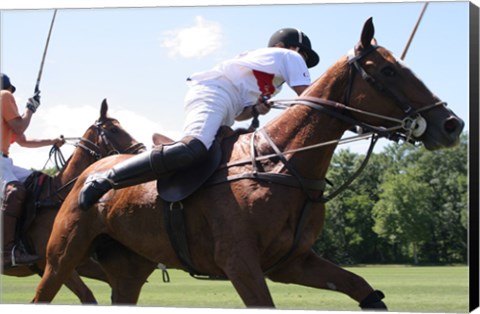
244 271
80 289
314 271
127 272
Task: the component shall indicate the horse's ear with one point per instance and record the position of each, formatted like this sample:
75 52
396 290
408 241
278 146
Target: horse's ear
103 110
367 34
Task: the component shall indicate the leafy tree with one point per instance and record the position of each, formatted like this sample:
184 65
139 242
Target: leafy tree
333 243
435 184
402 215
348 237
446 171
409 204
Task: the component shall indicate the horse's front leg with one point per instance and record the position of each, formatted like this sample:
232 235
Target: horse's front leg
56 273
314 271
67 247
242 267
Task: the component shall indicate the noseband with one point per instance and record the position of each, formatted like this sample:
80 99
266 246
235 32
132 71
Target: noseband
413 123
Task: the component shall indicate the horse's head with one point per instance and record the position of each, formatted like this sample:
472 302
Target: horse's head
383 85
107 137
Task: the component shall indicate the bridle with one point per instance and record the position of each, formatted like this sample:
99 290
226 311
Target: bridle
132 149
93 149
413 123
409 128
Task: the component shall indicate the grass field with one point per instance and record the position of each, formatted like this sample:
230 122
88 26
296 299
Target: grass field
441 289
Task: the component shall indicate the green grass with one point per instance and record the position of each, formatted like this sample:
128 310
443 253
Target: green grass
407 289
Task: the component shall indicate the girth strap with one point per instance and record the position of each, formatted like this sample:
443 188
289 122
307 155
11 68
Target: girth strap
175 225
177 232
279 178
301 181
293 179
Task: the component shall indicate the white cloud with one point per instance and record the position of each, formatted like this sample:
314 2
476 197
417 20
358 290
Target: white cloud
142 128
196 41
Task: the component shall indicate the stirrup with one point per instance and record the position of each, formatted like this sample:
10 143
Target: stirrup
22 248
12 256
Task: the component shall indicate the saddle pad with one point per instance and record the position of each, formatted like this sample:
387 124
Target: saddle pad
183 183
34 185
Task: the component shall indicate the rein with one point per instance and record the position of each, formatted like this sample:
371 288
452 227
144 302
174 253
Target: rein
410 127
332 108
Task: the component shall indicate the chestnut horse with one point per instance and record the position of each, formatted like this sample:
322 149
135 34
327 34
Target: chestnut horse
104 138
249 226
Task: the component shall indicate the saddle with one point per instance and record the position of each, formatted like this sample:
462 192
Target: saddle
182 184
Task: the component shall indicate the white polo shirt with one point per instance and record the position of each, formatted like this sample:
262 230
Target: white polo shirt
260 72
219 95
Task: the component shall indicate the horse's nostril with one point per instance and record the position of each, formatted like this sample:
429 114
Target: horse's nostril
453 125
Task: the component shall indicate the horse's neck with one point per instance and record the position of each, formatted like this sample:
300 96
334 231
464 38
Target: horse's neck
78 162
301 126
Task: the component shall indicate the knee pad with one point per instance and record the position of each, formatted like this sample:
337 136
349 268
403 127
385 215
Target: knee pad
13 199
176 156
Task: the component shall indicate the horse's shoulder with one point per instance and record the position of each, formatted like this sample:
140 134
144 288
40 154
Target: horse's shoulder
107 163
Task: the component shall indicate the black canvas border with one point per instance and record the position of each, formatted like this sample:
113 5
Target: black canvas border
474 220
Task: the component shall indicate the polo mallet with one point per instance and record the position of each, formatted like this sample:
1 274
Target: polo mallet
414 31
419 123
37 85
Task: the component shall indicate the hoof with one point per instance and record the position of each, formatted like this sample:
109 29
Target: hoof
374 302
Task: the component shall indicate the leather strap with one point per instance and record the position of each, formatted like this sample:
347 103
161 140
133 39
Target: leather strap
279 178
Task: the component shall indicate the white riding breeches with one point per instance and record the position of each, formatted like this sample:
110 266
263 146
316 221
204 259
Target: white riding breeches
208 106
9 172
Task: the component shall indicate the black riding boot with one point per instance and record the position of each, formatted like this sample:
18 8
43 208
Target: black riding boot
14 252
142 168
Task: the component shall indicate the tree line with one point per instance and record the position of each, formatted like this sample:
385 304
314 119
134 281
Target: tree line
409 205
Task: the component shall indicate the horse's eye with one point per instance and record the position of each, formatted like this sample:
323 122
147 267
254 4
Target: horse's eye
114 130
389 71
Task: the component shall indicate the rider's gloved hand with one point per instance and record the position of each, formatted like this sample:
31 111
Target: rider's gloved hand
34 102
262 106
58 141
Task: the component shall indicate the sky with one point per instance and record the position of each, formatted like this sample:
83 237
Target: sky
139 57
